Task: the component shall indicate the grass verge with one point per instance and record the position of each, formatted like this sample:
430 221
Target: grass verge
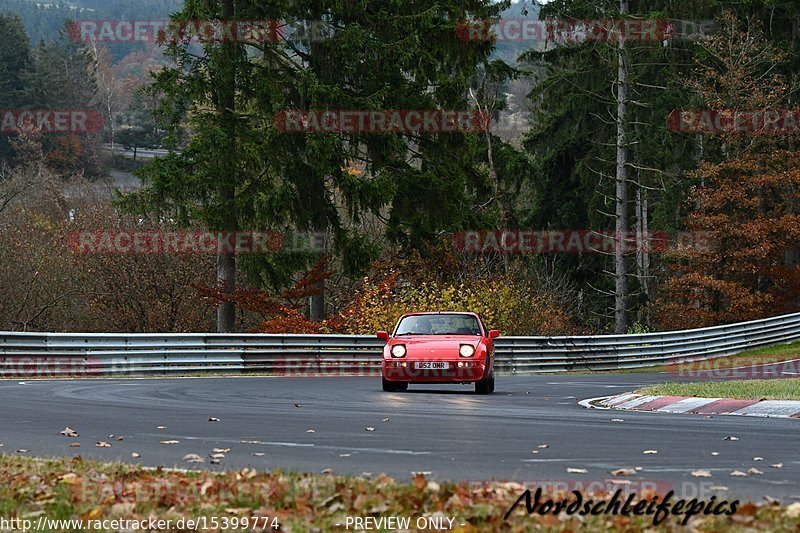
81 489
753 389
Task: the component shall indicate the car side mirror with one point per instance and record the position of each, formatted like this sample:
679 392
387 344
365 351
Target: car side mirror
383 335
494 333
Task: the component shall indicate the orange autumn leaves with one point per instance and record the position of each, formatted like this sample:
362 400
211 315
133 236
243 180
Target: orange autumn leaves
744 262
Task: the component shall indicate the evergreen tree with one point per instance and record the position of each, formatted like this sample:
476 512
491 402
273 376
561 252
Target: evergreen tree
237 171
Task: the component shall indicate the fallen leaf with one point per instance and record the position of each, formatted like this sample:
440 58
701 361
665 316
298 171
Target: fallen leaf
701 473
135 455
123 508
776 465
748 509
221 450
69 432
94 514
576 471
731 438
102 444
193 458
370 429
650 452
737 473
212 419
754 470
169 442
379 509
623 472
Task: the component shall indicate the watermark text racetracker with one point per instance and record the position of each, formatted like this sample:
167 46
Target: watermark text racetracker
195 242
744 368
381 121
169 31
528 241
602 487
735 122
46 121
43 367
561 31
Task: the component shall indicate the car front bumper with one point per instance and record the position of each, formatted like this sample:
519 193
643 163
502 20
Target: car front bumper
458 371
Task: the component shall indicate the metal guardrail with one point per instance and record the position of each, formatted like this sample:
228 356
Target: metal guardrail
29 355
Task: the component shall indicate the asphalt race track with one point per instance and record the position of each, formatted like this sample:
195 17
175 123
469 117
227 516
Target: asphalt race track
446 431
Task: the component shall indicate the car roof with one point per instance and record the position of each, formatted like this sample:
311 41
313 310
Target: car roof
441 313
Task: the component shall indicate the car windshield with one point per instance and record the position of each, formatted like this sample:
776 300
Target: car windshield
445 324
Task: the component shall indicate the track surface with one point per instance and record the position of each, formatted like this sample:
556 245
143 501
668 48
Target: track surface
444 430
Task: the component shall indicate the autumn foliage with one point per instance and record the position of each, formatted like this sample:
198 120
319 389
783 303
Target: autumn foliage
89 490
743 261
504 303
280 312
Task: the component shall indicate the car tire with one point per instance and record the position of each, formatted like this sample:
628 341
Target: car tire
485 386
394 386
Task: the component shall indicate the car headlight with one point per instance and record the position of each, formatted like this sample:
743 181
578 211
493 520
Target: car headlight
399 350
466 350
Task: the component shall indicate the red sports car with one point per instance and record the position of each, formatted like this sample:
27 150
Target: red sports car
439 348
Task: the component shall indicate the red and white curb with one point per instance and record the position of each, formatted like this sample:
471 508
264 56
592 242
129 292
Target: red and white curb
699 406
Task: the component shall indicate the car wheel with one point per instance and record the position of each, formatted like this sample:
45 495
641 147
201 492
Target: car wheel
394 386
485 386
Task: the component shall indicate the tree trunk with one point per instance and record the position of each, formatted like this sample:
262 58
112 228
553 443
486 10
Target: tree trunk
226 259
643 244
316 304
620 263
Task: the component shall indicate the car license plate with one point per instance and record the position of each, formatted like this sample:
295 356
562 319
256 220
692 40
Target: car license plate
432 366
